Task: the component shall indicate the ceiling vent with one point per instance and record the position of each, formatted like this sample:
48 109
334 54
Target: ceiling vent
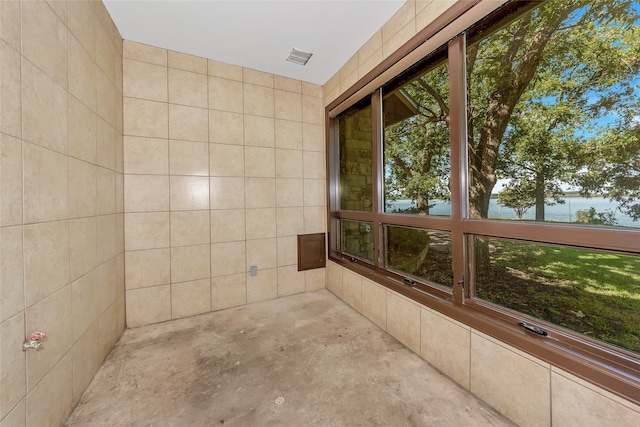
298 56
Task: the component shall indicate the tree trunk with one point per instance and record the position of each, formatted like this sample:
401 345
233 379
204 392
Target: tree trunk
540 196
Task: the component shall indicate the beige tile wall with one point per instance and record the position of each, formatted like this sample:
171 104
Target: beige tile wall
525 389
61 209
224 166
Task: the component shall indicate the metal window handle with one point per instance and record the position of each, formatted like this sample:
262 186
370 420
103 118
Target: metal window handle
534 329
34 340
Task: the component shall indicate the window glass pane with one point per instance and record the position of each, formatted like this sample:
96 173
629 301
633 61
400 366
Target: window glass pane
357 238
421 253
416 145
594 293
554 116
356 181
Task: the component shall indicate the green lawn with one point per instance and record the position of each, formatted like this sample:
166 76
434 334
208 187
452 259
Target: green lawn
594 293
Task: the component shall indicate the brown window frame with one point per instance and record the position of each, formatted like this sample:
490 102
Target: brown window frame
611 368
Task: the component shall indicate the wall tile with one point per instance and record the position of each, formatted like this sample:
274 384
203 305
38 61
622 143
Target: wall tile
226 128
225 95
315 279
288 163
187 62
446 345
86 361
258 100
188 158
288 134
189 193
44 40
290 221
228 258
427 11
11 274
146 193
374 303
106 236
313 137
82 74
352 289
10 180
370 47
85 306
259 131
145 53
188 123
10 28
403 321
148 305
146 155
106 191
315 220
228 291
260 192
226 160
190 263
578 403
289 192
44 109
82 246
108 332
82 24
399 38
53 315
259 78
334 279
226 193
190 228
285 83
108 97
46 262
12 363
146 118
188 88
105 53
312 111
147 230
314 165
263 286
259 162
10 110
398 21
290 280
288 105
190 298
262 253
227 225
144 80
146 268
82 189
287 251
314 192
497 372
226 71
82 131
311 89
51 401
260 223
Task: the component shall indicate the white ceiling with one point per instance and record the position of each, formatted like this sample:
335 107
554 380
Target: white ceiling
257 34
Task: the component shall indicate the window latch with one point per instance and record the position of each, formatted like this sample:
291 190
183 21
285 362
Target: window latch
534 329
409 281
353 259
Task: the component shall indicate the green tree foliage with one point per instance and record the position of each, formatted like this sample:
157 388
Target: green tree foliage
591 216
517 196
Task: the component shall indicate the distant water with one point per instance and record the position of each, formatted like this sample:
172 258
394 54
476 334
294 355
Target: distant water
561 213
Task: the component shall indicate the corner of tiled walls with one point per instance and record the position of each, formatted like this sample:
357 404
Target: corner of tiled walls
527 390
224 166
61 210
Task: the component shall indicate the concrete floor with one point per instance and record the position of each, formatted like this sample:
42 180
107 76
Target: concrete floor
332 366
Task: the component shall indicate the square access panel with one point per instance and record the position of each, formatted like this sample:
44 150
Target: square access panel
311 251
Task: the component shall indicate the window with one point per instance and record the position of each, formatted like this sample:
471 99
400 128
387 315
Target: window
502 174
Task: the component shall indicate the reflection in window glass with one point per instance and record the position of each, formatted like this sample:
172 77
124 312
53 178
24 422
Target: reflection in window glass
553 108
421 253
357 238
594 293
355 138
416 145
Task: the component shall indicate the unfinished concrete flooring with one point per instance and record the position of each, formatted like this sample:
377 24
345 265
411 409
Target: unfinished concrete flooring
332 367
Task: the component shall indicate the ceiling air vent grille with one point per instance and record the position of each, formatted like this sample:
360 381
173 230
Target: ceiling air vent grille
298 56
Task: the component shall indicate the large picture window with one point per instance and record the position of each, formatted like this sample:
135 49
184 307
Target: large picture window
503 176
